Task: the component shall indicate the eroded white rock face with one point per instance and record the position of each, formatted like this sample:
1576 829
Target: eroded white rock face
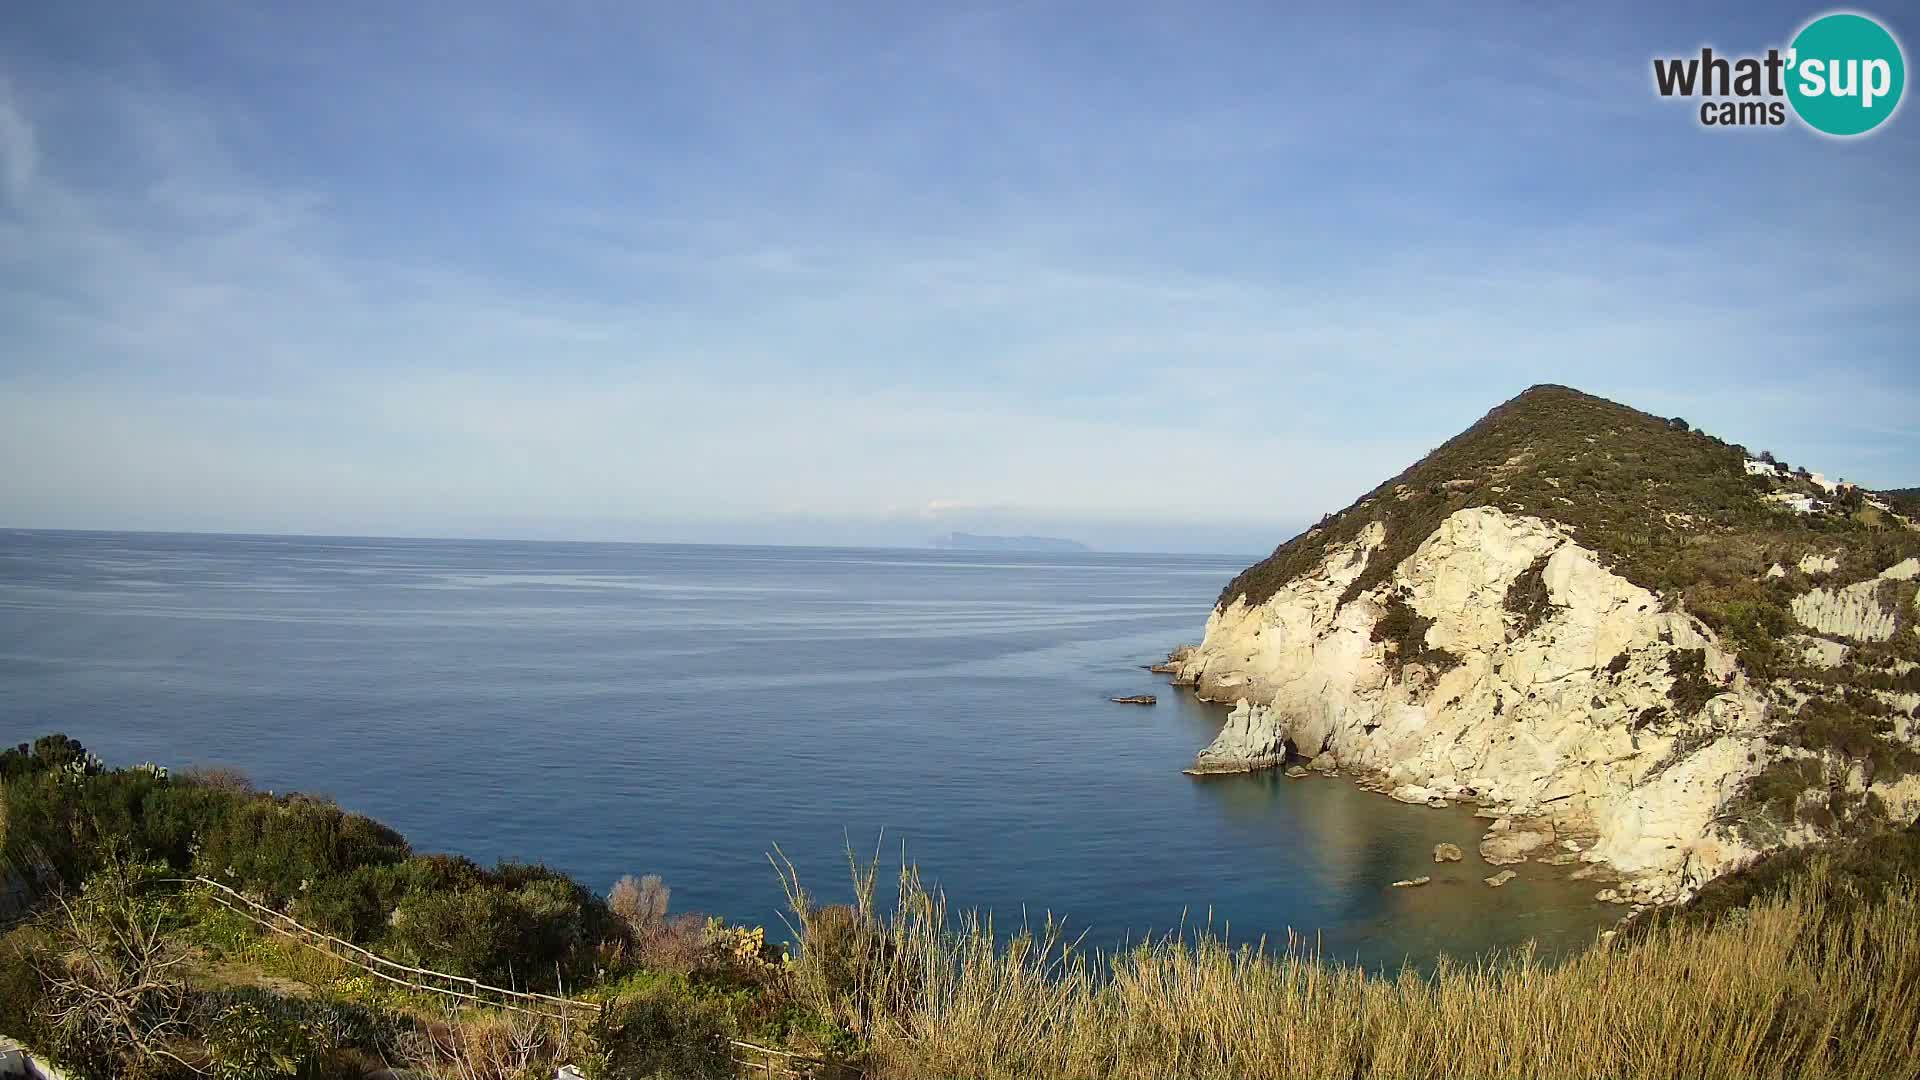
1819 564
1570 723
1250 739
1856 611
1821 653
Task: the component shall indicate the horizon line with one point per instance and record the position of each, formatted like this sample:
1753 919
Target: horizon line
416 538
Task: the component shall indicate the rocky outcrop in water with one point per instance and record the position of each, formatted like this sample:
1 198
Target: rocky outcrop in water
1505 845
1251 739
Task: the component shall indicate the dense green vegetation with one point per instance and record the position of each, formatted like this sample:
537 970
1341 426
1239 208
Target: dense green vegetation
1405 631
1692 685
337 871
98 859
1527 598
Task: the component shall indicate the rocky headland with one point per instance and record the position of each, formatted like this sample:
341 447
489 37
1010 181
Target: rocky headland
1604 630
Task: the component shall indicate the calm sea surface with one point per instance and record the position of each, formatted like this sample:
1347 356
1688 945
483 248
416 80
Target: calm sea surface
614 708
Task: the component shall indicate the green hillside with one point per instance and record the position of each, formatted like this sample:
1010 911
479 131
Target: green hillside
1667 506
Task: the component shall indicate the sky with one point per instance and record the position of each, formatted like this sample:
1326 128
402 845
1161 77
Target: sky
1151 276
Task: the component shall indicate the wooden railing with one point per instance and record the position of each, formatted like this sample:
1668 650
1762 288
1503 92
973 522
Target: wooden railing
764 1061
406 975
753 1059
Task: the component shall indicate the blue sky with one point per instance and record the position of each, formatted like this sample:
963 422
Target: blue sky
1154 276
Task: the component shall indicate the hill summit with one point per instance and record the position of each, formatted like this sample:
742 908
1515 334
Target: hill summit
1661 650
1666 503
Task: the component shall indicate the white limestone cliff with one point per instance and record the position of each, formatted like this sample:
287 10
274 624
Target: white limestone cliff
1568 725
1249 740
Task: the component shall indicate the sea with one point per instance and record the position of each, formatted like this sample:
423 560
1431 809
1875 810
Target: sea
699 711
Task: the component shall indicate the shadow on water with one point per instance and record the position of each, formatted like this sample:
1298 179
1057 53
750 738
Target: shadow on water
1353 844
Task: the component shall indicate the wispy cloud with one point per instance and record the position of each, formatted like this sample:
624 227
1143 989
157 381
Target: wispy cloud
693 266
19 153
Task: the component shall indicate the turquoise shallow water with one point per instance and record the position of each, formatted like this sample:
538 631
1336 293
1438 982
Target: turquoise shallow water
678 710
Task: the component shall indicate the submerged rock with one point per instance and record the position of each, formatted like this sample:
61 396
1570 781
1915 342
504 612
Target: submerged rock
1409 883
1447 853
1135 699
1502 847
1501 878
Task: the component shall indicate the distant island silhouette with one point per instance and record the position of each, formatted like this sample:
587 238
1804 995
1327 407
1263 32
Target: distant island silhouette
975 542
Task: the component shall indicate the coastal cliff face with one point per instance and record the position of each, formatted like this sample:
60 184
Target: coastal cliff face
1503 663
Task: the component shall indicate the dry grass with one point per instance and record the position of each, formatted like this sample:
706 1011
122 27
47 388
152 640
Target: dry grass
474 1044
1792 987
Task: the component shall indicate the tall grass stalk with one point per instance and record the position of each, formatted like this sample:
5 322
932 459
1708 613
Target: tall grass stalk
1788 988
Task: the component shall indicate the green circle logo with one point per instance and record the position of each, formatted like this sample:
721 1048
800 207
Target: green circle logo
1845 74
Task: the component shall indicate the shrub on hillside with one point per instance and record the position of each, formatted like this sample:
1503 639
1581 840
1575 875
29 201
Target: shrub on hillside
640 903
1756 620
1527 598
278 847
326 1025
222 778
59 823
246 1042
680 945
48 753
24 951
1776 790
472 932
667 1033
1405 632
114 987
521 926
660 942
1692 687
1856 725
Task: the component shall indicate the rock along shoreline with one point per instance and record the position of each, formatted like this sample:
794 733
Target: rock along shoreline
1252 740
